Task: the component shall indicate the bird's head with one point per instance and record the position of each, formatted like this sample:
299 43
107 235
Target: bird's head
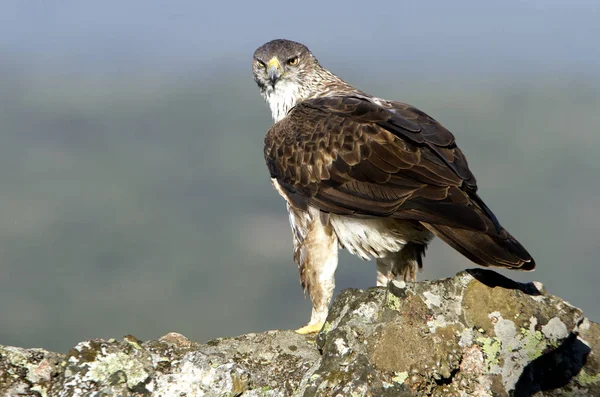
286 73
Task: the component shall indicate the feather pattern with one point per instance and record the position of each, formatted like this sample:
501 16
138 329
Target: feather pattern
376 177
356 155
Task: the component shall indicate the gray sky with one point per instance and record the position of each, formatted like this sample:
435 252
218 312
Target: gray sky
135 199
430 36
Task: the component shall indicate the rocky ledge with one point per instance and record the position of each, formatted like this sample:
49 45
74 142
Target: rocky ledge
476 334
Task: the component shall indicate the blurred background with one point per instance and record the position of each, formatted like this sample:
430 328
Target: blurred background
134 195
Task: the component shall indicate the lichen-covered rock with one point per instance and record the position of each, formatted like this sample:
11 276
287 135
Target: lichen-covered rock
476 334
28 372
267 364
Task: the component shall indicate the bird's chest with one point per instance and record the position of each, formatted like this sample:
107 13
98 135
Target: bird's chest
282 99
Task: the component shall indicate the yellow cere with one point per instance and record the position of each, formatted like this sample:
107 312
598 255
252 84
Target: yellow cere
274 62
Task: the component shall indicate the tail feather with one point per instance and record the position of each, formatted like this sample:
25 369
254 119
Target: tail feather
485 249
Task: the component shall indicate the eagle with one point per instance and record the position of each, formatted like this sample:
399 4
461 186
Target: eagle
378 178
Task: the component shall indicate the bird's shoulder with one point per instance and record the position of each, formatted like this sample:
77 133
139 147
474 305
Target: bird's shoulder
370 157
347 114
355 127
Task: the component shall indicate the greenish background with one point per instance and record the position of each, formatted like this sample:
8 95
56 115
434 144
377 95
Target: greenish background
134 198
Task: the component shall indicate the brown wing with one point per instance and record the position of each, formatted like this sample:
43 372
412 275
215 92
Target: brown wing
349 155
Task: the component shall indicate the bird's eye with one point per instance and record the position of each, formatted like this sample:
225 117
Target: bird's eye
260 64
293 61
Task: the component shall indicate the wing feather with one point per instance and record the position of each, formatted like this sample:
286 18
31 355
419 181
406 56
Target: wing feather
354 155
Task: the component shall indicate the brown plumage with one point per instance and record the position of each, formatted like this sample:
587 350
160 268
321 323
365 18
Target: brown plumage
346 154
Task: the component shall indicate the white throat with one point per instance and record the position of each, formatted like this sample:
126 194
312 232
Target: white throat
282 98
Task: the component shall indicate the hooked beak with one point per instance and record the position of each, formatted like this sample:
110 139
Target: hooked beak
274 71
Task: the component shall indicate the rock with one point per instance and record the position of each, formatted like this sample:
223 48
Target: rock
476 334
28 372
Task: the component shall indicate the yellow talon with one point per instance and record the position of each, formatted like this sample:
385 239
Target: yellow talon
310 328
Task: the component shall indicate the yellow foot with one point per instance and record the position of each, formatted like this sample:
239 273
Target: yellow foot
310 328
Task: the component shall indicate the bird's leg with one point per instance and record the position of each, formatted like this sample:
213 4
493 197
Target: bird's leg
384 270
318 262
401 265
409 262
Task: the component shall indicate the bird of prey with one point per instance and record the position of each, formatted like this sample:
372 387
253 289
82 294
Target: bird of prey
379 178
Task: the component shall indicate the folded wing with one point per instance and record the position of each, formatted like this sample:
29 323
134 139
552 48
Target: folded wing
353 155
